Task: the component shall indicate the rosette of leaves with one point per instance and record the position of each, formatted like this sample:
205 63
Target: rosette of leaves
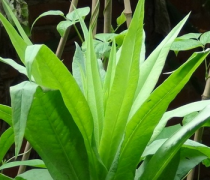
96 124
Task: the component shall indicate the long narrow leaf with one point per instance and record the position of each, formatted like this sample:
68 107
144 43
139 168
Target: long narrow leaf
109 78
94 89
17 24
167 151
33 163
139 129
178 112
78 69
123 88
152 67
15 65
15 38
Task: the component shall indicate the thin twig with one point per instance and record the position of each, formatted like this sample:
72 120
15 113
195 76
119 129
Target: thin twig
63 39
27 152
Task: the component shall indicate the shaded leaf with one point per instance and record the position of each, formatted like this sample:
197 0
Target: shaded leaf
34 174
21 99
63 26
78 13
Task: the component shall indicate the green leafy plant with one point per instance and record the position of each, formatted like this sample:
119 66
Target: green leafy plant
96 124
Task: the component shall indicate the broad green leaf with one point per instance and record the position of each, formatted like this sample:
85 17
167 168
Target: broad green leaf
78 69
33 163
21 99
94 89
3 177
35 174
140 128
185 44
53 74
152 68
6 114
6 141
123 88
190 36
121 19
77 13
63 26
48 13
56 138
15 65
205 38
17 24
178 112
15 38
168 150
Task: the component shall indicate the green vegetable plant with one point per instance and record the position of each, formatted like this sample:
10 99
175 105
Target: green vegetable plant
102 125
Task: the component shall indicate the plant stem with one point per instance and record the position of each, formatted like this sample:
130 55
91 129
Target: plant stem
94 15
107 16
63 39
27 152
199 133
128 12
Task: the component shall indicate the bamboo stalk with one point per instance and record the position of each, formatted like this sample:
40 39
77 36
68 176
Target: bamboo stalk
63 39
107 16
198 134
94 15
128 12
